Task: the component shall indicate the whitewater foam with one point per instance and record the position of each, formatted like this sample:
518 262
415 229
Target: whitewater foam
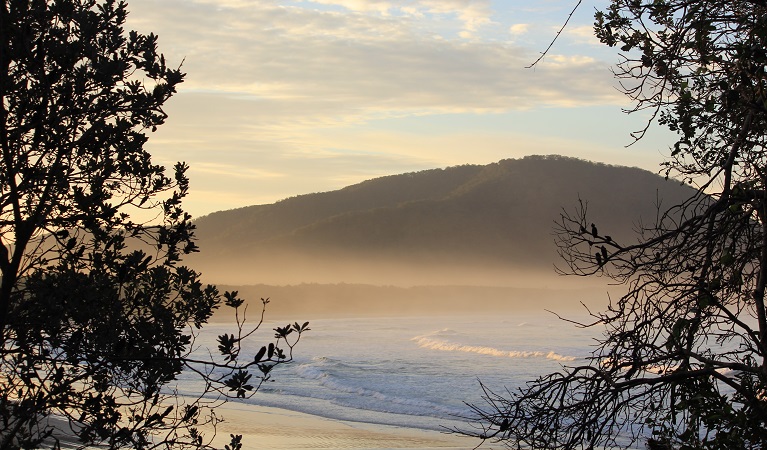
447 346
374 371
369 399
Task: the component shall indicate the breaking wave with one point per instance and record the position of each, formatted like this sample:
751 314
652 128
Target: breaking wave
430 343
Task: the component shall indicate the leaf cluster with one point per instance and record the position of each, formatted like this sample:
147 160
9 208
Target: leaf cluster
98 317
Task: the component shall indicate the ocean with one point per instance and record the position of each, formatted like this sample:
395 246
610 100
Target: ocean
416 372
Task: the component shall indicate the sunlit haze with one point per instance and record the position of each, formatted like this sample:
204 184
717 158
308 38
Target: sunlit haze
291 97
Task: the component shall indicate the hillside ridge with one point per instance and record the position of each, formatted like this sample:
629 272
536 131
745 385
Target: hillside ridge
488 217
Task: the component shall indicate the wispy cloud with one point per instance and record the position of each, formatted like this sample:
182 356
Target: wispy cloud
519 29
356 66
583 34
288 88
472 13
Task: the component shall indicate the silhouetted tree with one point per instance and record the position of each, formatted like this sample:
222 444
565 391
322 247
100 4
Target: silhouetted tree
97 316
683 359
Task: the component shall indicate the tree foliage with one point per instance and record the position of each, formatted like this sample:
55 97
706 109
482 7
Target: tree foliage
683 359
97 315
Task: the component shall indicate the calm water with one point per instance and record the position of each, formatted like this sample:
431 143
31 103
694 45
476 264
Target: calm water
417 371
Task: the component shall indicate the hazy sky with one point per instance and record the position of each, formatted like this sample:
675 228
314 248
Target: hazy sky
291 97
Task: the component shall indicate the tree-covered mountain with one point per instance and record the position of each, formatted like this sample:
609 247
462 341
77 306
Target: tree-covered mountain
441 226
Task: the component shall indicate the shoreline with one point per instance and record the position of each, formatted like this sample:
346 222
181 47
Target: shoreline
276 428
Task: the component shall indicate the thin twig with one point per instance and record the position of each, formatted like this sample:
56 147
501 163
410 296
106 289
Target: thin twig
551 44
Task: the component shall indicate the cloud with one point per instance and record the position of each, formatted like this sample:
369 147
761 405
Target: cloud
351 67
279 92
235 170
582 34
473 13
380 6
519 29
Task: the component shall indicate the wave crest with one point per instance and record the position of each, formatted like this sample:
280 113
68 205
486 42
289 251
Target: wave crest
446 346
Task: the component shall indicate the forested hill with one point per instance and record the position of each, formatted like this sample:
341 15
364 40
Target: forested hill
491 218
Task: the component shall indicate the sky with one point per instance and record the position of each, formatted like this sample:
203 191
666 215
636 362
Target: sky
284 98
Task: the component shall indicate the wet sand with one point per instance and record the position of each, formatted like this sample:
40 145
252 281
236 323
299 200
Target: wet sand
273 428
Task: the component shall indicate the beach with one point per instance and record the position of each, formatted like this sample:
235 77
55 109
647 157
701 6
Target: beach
274 428
391 383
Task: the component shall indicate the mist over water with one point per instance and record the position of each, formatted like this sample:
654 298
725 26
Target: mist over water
419 286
